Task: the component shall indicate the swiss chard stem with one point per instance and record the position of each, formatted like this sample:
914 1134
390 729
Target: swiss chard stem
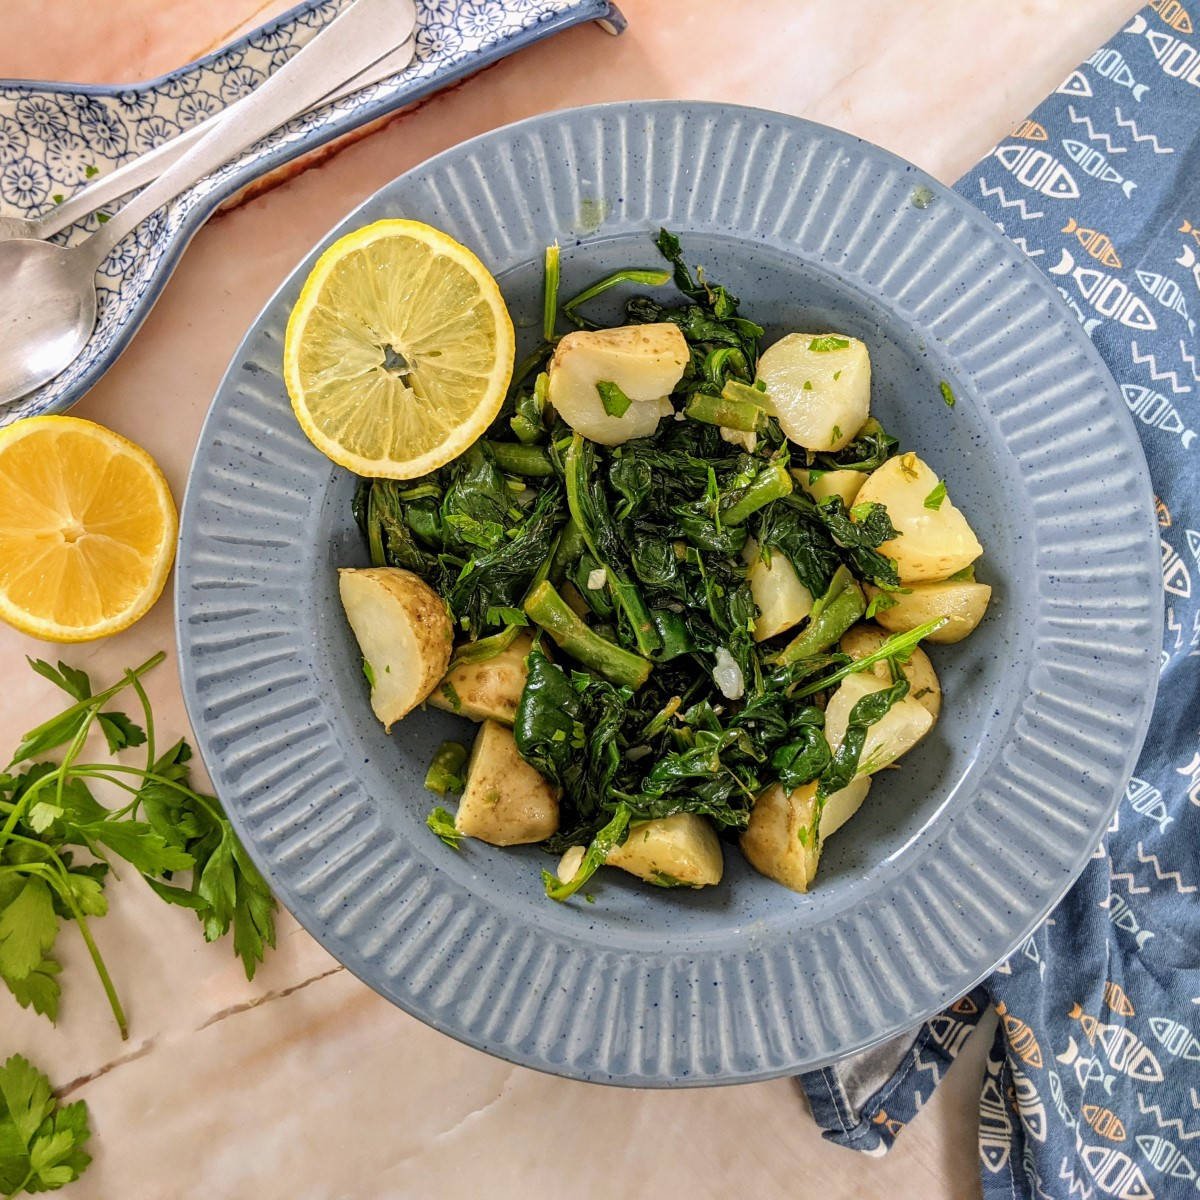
548 609
515 459
732 414
594 858
628 598
770 484
893 648
824 630
645 278
550 293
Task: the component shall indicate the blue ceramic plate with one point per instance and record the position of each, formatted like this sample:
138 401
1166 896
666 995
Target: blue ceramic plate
953 860
55 138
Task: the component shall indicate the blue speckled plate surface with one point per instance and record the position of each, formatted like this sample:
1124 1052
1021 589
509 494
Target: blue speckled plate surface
953 859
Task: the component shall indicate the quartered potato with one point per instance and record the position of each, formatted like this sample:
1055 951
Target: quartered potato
923 683
841 806
487 690
821 396
964 602
644 361
819 484
505 801
935 540
898 731
404 632
676 851
670 851
783 601
783 837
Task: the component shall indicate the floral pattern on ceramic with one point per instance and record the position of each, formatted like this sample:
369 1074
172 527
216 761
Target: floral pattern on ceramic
56 138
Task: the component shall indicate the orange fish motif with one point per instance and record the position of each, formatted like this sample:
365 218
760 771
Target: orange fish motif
1098 245
1105 1122
1030 130
1174 14
1114 993
1164 513
1188 227
889 1123
1021 1039
1125 1051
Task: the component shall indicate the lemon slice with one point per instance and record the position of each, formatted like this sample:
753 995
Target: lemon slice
87 529
399 350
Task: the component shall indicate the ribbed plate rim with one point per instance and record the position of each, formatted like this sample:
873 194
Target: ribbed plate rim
449 1020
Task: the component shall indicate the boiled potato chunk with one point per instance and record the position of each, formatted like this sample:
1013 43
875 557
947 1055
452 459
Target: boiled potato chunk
864 639
841 806
505 801
963 602
820 397
933 542
781 840
784 835
901 728
404 632
819 484
671 851
783 601
487 690
644 361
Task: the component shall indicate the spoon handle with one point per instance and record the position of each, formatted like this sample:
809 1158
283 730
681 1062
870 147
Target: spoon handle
348 45
149 166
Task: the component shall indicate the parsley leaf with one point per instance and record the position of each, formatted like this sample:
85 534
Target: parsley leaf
41 1143
947 393
441 823
830 342
615 402
935 498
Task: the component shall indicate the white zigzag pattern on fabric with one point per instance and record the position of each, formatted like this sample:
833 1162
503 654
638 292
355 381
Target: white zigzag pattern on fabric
1020 241
1176 386
1134 890
1155 144
1095 135
1188 358
931 1066
1005 202
1156 1112
1173 876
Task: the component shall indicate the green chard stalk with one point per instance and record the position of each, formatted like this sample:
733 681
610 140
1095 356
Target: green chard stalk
548 609
772 483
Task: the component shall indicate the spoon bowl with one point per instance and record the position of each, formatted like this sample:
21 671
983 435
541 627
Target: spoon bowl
47 311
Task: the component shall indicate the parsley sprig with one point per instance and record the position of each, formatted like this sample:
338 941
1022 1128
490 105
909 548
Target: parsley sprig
41 1141
57 839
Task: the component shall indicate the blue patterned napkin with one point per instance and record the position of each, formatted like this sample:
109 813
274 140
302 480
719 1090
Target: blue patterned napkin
1092 1087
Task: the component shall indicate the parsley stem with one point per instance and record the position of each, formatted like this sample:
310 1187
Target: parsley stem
99 700
56 873
110 991
147 715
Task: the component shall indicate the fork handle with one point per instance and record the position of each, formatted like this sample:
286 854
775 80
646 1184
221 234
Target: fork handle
348 45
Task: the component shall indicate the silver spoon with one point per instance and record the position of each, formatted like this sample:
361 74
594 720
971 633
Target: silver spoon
48 292
144 169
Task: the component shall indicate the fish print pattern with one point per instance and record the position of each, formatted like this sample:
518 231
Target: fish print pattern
1092 1087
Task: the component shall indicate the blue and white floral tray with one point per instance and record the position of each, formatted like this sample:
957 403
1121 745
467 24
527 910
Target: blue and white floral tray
55 138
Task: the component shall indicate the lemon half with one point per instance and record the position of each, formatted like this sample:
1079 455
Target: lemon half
399 350
87 529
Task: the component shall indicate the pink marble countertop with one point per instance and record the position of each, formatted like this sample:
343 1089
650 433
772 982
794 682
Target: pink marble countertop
305 1083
